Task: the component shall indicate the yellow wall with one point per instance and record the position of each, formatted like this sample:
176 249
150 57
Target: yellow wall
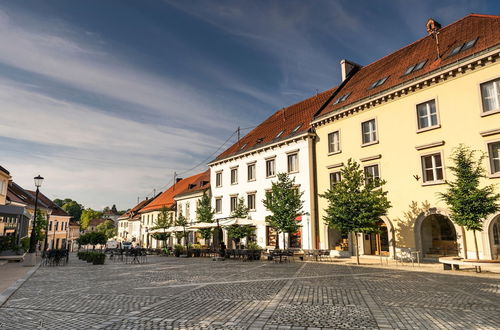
459 107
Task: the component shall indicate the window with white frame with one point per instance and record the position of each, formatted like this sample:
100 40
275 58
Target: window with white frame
234 175
494 153
233 203
218 179
369 131
293 163
432 167
2 184
251 172
251 201
490 94
371 173
270 167
335 177
188 211
334 142
427 114
218 205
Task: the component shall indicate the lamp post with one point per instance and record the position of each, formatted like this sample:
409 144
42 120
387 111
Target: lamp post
32 251
46 235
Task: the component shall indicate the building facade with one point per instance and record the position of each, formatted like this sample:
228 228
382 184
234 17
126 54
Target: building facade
401 120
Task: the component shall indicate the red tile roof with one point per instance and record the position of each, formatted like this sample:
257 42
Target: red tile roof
96 222
486 28
286 120
198 183
167 197
56 210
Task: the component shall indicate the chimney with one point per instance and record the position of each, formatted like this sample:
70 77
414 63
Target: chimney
433 28
346 68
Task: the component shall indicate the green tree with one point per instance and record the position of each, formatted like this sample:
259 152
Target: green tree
469 204
163 222
182 222
87 215
356 203
107 228
205 213
285 203
40 225
72 207
241 210
96 237
236 233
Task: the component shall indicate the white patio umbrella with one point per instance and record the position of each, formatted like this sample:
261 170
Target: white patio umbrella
203 225
236 221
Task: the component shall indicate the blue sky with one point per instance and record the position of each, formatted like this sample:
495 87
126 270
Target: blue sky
106 99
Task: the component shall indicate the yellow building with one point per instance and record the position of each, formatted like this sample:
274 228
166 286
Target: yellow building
400 118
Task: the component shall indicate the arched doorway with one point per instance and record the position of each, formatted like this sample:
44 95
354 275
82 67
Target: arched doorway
494 237
437 236
378 241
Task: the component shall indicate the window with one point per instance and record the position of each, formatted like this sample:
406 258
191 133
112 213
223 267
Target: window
494 153
251 202
462 47
56 228
432 168
2 187
296 128
271 236
293 163
490 94
270 167
279 134
371 173
334 142
50 225
234 176
369 131
427 114
251 172
335 177
378 83
234 203
415 67
218 179
243 146
342 98
187 211
218 205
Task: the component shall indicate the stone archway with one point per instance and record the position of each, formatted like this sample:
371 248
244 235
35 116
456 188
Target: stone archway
368 242
491 237
437 235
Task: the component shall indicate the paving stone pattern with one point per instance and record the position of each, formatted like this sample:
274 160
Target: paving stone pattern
198 293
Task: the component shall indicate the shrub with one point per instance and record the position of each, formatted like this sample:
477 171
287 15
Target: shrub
253 246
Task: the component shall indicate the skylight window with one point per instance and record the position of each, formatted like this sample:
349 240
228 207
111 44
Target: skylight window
296 128
462 47
378 83
342 98
279 134
415 67
243 146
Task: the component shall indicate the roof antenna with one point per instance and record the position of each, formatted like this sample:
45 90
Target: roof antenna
238 130
138 198
433 30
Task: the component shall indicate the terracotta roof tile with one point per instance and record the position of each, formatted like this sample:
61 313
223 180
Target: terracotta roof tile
484 28
287 122
56 210
167 197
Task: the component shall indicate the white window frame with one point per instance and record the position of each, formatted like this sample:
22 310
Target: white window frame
372 132
295 163
234 178
218 179
231 199
334 147
496 89
428 115
268 172
332 174
253 194
495 172
218 205
254 171
434 168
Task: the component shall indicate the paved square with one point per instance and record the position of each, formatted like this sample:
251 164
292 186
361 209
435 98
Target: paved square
197 293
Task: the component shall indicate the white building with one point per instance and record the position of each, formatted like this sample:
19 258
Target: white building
282 143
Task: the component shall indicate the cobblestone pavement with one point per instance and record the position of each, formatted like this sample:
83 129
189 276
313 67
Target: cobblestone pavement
198 293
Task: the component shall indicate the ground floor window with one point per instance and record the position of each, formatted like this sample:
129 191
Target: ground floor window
271 236
296 239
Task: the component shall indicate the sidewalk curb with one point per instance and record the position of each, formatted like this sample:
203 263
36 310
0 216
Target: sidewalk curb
7 293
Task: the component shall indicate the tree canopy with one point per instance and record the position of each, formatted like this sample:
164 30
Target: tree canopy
164 221
285 203
241 210
356 203
468 203
107 228
205 213
87 215
72 207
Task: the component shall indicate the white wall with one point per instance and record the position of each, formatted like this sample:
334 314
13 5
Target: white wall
261 184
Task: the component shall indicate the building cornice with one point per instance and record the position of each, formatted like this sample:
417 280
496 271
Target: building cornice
266 147
432 78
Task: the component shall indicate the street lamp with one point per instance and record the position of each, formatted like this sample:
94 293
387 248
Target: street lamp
38 183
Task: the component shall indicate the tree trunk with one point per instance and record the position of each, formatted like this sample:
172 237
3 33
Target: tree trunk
357 247
475 244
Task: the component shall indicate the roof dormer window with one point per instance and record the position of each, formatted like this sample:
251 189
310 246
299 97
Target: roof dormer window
462 47
415 67
378 83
